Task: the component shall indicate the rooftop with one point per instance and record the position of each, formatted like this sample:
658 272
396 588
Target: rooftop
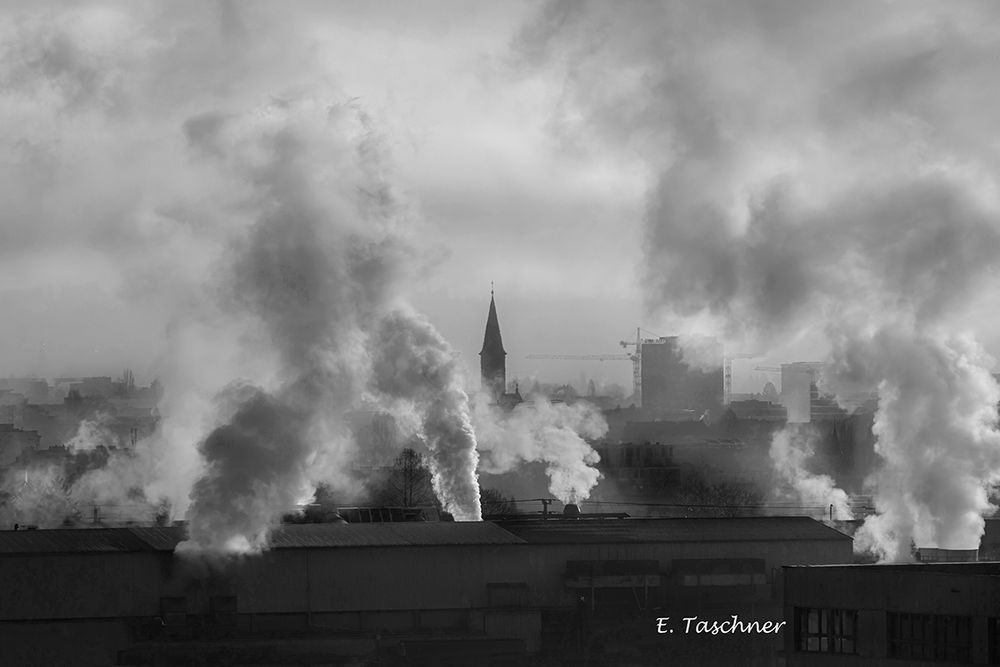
978 567
301 536
740 529
323 536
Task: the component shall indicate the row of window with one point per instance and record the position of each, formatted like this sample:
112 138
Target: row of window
930 637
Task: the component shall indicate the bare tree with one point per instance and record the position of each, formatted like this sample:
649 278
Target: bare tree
494 502
406 484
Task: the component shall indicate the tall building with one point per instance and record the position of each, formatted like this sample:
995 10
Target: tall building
493 362
670 383
797 380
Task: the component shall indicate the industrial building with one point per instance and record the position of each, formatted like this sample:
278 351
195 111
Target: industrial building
928 613
443 593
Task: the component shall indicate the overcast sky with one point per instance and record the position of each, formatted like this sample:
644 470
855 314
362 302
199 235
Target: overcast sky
533 141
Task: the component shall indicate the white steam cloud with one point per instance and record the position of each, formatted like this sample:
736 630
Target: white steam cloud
791 450
194 159
936 429
540 431
318 271
416 369
819 172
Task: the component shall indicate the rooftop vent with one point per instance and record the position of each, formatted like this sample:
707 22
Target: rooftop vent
571 510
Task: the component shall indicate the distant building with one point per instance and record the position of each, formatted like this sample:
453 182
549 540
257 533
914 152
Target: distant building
670 383
804 401
797 380
912 614
97 386
15 443
33 389
493 363
757 410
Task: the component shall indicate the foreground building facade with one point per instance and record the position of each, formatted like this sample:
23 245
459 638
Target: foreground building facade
913 614
531 592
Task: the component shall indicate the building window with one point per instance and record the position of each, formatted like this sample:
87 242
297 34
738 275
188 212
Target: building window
826 630
929 637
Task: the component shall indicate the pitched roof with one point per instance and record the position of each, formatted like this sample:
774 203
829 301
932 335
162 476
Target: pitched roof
492 342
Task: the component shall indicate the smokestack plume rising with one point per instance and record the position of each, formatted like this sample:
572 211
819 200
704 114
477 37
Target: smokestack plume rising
538 430
415 369
319 271
791 449
936 432
818 173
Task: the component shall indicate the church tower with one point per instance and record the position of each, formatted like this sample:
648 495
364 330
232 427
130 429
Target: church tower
492 358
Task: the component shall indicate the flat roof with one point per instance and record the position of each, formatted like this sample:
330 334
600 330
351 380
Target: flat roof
722 529
288 536
974 567
444 533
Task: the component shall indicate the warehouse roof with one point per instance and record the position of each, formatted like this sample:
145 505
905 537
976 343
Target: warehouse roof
741 529
321 536
991 568
303 536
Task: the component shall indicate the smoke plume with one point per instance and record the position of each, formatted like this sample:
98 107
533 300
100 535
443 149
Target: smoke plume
538 430
415 369
791 449
319 271
936 432
818 173
197 166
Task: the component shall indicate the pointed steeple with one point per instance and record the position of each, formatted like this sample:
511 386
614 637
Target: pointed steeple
492 341
492 358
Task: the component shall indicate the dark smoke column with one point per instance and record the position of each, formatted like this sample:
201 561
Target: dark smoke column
316 271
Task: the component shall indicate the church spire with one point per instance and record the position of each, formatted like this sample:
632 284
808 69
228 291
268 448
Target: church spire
492 341
492 362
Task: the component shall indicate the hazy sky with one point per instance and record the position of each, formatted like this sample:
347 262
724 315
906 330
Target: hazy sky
526 136
95 96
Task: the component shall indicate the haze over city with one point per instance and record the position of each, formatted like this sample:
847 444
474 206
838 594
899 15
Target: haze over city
525 270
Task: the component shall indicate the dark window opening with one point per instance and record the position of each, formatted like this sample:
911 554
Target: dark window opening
826 630
929 637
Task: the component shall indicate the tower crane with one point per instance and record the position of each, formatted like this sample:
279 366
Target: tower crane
634 358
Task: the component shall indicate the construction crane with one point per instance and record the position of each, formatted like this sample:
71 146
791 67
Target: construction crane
634 358
636 365
595 357
589 357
